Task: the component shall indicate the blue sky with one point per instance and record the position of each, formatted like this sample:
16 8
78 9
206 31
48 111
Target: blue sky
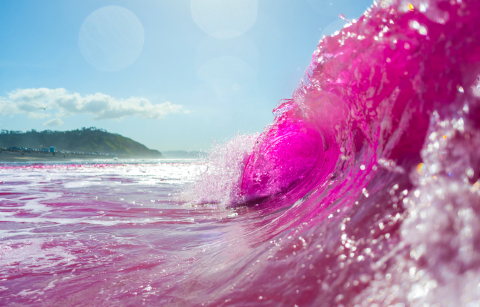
171 74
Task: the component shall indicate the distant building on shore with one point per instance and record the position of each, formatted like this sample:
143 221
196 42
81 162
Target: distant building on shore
52 148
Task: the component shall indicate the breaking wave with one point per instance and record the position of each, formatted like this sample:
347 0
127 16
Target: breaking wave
365 186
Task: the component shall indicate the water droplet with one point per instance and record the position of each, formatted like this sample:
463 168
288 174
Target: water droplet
470 172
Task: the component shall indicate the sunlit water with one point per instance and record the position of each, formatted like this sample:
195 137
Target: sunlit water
87 234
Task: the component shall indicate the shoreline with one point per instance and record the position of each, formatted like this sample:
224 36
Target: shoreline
13 156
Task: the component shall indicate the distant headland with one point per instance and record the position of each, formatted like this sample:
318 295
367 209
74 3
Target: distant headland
85 143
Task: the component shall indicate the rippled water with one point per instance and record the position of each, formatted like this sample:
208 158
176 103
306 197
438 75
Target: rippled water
96 234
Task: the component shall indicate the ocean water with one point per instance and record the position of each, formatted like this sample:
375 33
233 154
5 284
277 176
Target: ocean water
364 191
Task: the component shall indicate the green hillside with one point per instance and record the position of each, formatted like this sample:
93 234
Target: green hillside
81 140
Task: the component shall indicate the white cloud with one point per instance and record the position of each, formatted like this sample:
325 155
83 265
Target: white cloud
34 115
53 122
35 103
6 107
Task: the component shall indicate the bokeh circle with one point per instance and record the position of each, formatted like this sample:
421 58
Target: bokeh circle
224 18
111 38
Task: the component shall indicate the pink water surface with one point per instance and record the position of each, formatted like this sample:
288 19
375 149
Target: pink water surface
364 191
